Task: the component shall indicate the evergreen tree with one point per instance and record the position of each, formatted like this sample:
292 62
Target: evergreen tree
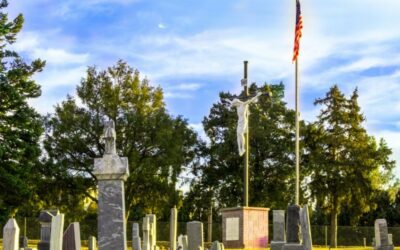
271 137
347 165
20 124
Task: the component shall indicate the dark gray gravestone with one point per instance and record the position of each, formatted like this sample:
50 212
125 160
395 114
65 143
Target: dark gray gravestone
23 242
45 218
279 238
293 226
72 237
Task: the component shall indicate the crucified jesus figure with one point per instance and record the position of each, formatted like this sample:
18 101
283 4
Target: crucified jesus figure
242 108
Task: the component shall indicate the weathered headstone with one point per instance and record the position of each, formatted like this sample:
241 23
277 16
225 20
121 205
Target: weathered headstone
56 234
111 172
279 237
152 231
72 237
305 228
216 245
45 218
23 242
173 228
146 233
390 238
135 237
92 243
183 242
381 236
11 235
194 231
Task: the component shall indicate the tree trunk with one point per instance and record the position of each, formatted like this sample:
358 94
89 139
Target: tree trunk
333 242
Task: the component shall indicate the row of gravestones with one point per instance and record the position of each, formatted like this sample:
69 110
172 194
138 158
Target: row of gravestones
299 224
52 236
192 241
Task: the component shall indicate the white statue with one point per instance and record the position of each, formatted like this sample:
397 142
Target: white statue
109 137
242 108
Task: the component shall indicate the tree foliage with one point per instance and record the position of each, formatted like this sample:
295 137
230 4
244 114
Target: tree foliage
156 144
271 126
20 124
347 166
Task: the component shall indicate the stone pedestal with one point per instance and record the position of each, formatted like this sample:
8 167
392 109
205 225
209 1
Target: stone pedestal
111 172
245 227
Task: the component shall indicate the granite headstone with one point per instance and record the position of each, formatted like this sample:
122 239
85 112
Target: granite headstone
72 237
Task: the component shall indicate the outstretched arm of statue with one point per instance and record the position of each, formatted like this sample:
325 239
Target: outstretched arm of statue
254 99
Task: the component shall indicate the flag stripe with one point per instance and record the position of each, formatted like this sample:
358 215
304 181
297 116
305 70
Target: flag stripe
298 31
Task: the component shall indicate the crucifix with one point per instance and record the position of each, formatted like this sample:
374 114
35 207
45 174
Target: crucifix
242 129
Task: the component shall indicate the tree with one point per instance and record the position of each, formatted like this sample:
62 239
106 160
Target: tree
20 124
271 126
347 165
156 144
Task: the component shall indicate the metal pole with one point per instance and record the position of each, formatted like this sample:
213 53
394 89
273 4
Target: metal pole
24 226
246 159
297 134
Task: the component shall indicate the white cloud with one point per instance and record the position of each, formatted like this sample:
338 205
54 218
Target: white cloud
161 26
59 56
185 86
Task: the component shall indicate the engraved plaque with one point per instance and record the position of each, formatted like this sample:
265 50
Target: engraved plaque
232 228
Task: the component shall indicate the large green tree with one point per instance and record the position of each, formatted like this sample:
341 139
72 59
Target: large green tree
156 144
347 166
20 124
220 174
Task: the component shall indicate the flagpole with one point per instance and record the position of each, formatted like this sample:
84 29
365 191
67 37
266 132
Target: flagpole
246 157
297 133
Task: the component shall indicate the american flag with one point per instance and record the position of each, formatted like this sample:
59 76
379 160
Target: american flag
299 27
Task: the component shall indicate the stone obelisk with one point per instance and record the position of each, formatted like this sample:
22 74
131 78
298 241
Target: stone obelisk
111 172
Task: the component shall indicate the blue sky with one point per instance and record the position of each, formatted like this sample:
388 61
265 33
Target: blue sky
195 49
